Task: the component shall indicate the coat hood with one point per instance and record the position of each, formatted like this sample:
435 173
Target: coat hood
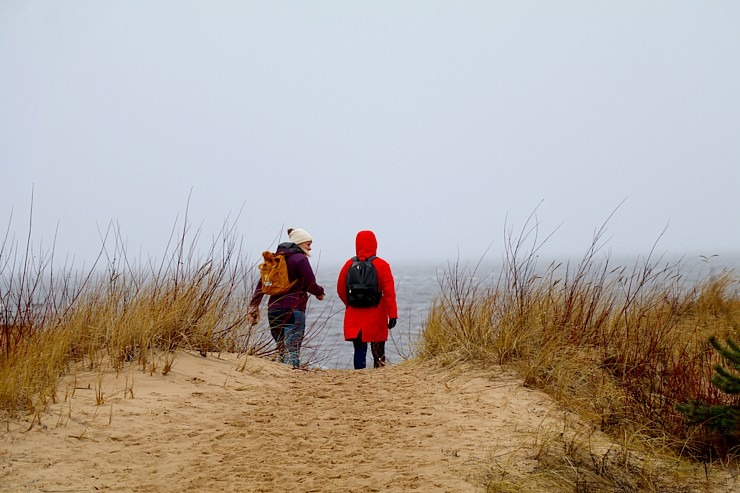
366 244
289 248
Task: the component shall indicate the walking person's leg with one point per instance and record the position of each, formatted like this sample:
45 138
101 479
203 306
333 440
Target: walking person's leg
378 350
277 320
360 357
294 332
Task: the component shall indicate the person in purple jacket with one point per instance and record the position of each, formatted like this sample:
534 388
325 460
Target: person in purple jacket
286 313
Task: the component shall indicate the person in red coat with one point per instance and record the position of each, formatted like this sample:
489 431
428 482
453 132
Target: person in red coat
369 325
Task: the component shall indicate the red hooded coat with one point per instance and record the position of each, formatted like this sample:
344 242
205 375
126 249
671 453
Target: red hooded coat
371 322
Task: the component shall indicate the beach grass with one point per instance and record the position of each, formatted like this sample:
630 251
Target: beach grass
619 345
120 311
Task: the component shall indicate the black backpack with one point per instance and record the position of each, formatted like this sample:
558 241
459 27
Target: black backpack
362 284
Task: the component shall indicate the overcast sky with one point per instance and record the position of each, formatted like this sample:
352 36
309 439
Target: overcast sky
432 123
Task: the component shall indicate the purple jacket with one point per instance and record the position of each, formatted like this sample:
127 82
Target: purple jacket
298 268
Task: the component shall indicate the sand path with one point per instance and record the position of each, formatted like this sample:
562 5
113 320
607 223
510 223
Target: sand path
227 424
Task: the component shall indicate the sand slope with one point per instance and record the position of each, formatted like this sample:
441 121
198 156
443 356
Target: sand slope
207 426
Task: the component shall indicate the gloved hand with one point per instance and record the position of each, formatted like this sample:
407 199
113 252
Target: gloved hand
253 315
392 323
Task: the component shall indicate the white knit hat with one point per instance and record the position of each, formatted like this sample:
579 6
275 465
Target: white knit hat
299 236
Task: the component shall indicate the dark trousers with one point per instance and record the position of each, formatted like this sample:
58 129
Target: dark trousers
376 348
278 319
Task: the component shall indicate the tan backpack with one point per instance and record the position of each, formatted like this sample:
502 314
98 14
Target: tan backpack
274 274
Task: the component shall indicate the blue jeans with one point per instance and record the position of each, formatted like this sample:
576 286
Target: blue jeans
294 337
288 329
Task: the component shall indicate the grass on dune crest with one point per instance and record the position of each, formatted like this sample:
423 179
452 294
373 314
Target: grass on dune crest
122 312
620 346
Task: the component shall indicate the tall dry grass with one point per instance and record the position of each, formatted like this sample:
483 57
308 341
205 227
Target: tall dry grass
621 345
119 311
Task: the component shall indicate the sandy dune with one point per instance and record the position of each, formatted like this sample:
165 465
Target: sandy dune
227 424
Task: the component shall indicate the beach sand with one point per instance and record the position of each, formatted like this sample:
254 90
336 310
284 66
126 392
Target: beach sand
224 423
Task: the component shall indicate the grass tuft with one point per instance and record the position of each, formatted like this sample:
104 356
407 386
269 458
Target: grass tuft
118 312
619 345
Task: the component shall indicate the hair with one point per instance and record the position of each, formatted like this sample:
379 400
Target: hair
290 230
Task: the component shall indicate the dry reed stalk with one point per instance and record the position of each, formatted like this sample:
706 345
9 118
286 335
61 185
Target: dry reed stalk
123 313
621 346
